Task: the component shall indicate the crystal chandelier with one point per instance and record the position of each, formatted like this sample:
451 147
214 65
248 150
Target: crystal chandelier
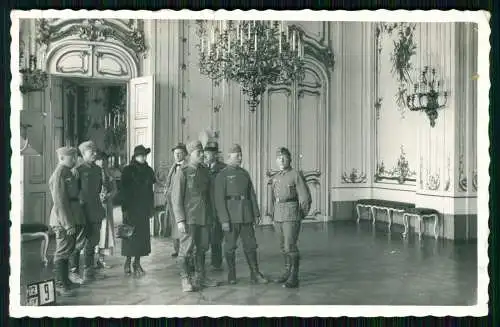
255 54
428 95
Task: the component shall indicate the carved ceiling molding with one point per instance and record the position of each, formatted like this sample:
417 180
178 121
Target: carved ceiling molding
128 32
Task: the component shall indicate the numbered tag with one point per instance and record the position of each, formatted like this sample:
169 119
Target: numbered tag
41 293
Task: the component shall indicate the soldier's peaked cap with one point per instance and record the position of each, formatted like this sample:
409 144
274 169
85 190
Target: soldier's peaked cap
212 146
283 151
66 151
87 145
235 148
193 146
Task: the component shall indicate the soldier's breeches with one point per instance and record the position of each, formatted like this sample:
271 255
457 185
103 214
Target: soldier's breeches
216 244
80 241
247 233
288 234
92 234
65 244
194 241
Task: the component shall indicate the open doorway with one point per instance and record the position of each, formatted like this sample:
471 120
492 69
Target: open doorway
97 110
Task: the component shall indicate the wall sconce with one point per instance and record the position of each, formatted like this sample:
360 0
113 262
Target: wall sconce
33 79
26 148
427 95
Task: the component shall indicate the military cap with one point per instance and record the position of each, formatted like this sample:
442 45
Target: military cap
235 148
212 146
66 151
87 145
141 150
193 146
283 151
181 146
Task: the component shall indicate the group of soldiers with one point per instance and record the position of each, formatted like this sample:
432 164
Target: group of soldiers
213 203
76 215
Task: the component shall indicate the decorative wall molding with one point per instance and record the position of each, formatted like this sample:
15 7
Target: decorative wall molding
447 183
433 181
354 177
401 172
462 176
316 48
129 32
474 180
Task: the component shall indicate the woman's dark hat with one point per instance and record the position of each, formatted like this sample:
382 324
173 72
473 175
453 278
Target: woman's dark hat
101 155
181 146
212 146
141 150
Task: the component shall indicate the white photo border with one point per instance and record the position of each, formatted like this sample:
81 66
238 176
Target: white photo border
481 18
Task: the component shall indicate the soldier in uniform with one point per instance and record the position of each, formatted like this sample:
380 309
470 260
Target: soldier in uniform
66 218
179 152
291 201
216 235
90 178
192 210
237 209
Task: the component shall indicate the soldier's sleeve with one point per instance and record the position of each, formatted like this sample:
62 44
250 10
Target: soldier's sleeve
177 196
273 198
303 193
220 198
61 200
253 197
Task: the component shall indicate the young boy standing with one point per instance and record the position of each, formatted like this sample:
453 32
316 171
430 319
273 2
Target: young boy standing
65 216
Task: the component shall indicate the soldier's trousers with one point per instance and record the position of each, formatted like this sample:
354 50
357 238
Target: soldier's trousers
80 240
288 235
87 237
247 233
194 242
65 244
216 238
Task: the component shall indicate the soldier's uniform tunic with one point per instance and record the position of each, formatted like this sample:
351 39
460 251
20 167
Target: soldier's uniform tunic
66 212
216 235
91 182
191 205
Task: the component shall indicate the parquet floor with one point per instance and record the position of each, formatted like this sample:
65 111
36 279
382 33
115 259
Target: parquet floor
342 264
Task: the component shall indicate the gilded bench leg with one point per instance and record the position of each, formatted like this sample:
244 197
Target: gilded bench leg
372 209
160 223
358 212
436 220
44 248
405 222
389 218
420 229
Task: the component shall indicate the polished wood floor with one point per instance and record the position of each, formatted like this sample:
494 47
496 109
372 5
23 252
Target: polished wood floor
342 264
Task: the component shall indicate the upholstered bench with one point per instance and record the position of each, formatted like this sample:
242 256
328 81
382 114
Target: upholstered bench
389 206
37 231
420 214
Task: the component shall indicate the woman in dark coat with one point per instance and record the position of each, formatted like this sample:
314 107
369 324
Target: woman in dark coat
137 207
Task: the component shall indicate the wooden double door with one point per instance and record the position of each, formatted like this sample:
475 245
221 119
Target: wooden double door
296 116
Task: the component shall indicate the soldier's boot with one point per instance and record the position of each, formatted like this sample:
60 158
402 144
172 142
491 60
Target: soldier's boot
216 256
231 267
62 288
286 271
177 245
206 281
293 279
186 284
256 276
65 275
74 265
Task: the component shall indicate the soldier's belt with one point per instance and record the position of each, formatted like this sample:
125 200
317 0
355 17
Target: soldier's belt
236 197
278 200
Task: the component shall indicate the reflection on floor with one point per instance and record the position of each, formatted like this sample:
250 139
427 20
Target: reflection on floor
342 264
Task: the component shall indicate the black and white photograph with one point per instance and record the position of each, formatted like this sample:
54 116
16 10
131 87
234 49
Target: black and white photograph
249 163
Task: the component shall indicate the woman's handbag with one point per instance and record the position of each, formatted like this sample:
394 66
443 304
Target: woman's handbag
124 231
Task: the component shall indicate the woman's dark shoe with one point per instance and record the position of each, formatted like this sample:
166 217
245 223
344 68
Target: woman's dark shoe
138 271
127 269
175 255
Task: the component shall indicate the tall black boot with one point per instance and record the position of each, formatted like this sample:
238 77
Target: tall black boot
177 245
286 271
186 284
256 276
216 254
88 268
201 279
293 279
61 286
65 275
231 267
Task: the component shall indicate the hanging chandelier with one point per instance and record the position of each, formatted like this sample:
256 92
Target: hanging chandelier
254 54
